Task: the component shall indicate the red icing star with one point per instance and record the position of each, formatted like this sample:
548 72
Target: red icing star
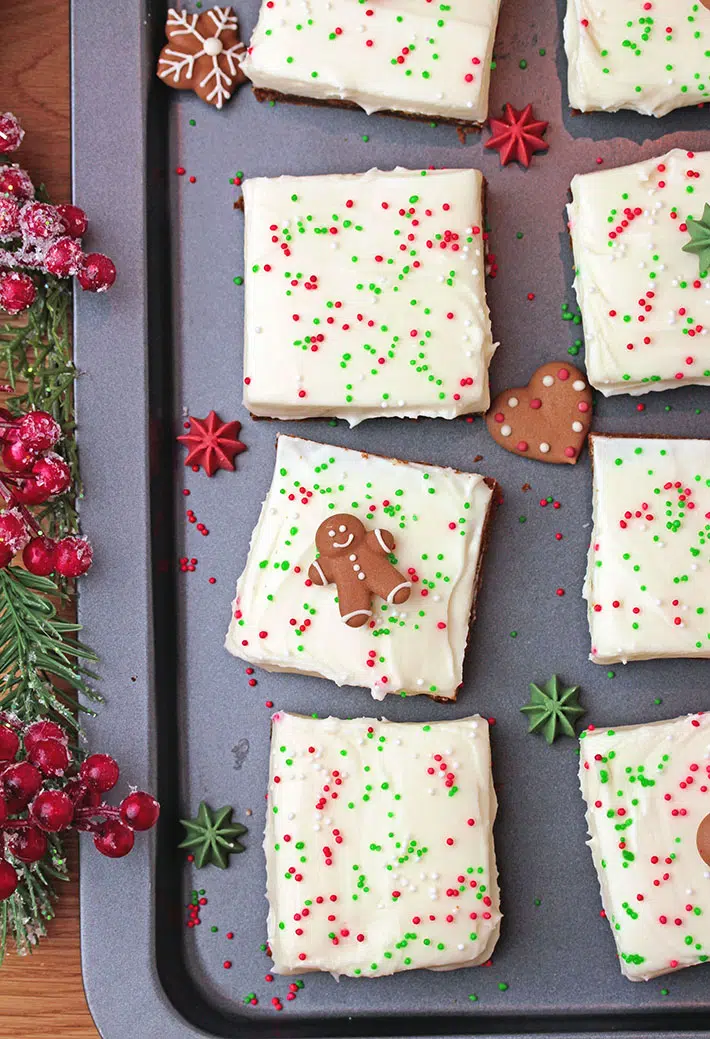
212 443
517 135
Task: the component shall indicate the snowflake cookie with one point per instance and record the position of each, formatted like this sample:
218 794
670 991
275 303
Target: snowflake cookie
202 54
379 846
398 56
365 295
643 294
648 572
651 58
647 789
430 522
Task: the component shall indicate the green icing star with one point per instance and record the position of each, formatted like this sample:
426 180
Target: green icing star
699 244
553 710
212 836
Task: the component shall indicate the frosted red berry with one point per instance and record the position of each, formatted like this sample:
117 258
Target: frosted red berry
29 845
51 757
74 219
11 133
16 183
20 782
38 557
8 880
64 258
43 731
97 274
38 430
40 222
9 218
52 473
139 810
17 457
9 743
52 810
27 491
113 839
13 530
17 292
73 556
100 771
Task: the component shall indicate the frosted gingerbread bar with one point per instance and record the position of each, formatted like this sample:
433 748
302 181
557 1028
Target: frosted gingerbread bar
641 237
365 295
651 58
379 846
647 789
400 57
363 570
648 572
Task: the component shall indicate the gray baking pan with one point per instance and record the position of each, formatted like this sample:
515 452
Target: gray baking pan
166 340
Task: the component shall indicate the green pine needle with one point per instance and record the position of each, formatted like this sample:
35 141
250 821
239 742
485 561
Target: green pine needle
553 711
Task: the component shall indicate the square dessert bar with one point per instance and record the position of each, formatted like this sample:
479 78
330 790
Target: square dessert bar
645 302
379 846
365 295
648 573
651 58
389 600
647 789
399 56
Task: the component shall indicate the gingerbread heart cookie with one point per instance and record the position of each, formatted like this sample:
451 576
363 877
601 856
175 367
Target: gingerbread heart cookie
548 419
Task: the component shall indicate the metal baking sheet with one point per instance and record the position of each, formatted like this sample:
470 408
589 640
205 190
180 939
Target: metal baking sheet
167 340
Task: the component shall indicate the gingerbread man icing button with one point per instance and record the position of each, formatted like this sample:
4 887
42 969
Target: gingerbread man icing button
703 840
548 419
357 562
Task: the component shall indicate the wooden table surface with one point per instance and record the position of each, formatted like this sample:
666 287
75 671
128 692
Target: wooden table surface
42 996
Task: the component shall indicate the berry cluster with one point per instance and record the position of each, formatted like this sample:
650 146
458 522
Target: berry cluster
42 791
35 474
39 237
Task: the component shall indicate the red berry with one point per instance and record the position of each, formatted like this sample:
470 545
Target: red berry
17 292
113 839
43 731
64 258
6 556
13 530
38 557
17 457
29 845
20 782
40 222
100 771
97 274
50 756
16 183
73 556
52 473
81 794
52 810
140 811
9 743
38 430
9 218
74 219
11 133
8 880
3 812
27 491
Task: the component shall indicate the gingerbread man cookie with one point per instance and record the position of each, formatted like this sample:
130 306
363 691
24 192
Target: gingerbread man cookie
202 54
357 562
703 840
548 419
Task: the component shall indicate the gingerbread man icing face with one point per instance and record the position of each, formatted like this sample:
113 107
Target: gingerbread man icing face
357 562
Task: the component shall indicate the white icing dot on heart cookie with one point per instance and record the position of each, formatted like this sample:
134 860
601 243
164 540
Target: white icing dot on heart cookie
544 447
512 402
548 380
505 431
578 385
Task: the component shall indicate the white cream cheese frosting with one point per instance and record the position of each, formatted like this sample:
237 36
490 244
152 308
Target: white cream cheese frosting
649 57
281 621
379 846
647 789
648 572
365 295
645 302
394 55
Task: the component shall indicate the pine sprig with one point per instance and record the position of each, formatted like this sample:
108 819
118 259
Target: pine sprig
25 915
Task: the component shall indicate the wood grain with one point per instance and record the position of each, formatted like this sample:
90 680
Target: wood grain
42 995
